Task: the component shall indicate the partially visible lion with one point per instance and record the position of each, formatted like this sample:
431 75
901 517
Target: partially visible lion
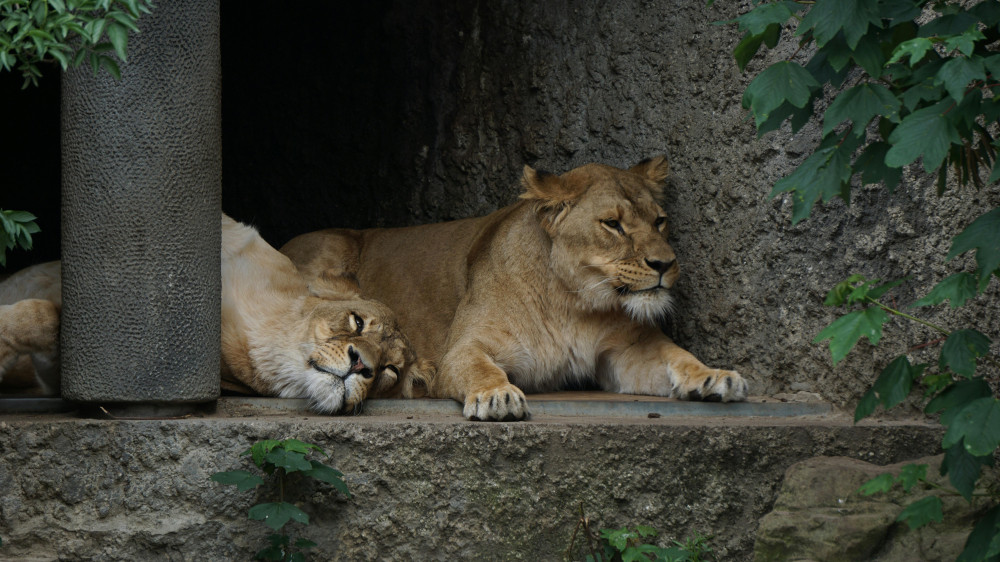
566 285
280 337
30 302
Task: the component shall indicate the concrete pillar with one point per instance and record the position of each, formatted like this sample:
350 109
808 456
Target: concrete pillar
141 197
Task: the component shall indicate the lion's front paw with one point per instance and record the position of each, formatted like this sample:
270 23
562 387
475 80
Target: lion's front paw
502 403
714 385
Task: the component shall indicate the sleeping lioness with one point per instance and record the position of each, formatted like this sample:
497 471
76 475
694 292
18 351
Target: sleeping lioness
280 337
565 285
323 342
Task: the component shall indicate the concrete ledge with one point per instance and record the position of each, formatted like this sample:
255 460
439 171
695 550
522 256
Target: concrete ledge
425 485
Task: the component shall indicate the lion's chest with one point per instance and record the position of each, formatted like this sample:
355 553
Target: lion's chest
553 352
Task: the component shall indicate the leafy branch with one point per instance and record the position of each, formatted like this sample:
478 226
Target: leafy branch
906 81
66 32
16 228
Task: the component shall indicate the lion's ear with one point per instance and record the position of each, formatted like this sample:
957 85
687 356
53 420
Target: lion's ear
655 169
549 190
333 285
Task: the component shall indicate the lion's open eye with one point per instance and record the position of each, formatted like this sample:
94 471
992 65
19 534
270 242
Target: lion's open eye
357 323
660 222
612 224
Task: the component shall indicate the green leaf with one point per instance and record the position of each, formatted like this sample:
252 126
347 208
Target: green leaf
869 56
983 235
124 19
331 476
617 538
957 288
750 44
871 165
645 531
290 461
275 515
962 468
294 445
913 48
951 401
827 18
880 484
979 424
925 132
964 43
957 73
780 82
118 35
305 544
860 104
260 449
865 406
961 350
848 329
896 380
911 474
242 479
758 20
922 512
840 292
980 540
823 175
111 66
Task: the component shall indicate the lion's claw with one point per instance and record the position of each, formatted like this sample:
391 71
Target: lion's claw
503 403
718 386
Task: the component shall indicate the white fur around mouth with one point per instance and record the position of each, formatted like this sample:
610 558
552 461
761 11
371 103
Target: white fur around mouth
649 305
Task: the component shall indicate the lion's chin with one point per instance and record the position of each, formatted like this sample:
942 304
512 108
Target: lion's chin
649 306
326 394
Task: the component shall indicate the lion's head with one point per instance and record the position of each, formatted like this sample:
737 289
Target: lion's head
357 351
609 235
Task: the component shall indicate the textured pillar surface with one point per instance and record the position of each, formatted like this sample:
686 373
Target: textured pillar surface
141 185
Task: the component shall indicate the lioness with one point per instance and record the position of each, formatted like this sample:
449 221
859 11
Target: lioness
280 337
565 285
323 342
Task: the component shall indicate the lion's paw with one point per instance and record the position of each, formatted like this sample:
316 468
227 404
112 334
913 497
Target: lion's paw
502 403
715 385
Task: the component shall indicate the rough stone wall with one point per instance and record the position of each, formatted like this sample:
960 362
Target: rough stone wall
396 113
437 488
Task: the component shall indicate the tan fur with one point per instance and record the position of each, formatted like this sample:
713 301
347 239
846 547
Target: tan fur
565 285
280 337
30 301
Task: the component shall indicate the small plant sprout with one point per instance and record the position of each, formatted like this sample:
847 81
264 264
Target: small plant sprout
279 459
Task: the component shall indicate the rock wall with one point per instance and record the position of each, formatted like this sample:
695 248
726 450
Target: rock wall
396 113
429 488
819 515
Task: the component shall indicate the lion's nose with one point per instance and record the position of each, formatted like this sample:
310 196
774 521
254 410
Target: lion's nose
660 266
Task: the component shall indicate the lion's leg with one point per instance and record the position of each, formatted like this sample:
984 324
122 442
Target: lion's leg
657 366
28 326
471 377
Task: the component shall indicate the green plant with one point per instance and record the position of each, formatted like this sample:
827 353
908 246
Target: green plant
905 80
67 32
16 228
279 459
629 544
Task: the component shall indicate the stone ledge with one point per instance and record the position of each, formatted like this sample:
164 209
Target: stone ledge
431 487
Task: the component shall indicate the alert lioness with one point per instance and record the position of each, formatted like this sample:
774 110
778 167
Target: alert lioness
280 337
567 284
